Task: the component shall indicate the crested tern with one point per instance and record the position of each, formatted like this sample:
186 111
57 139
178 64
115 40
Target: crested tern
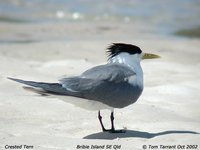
116 84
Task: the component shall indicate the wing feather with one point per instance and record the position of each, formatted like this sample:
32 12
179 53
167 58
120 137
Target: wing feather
96 76
109 72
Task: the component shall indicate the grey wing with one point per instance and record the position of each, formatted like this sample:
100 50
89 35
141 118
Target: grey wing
101 83
95 77
53 88
109 72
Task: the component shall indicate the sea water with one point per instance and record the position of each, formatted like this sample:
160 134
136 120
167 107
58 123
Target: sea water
165 15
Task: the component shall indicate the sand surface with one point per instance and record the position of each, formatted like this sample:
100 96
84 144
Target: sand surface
167 113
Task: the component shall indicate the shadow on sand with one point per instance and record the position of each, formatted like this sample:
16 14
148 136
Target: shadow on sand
132 133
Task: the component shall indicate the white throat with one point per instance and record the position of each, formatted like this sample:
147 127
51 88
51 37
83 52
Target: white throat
132 61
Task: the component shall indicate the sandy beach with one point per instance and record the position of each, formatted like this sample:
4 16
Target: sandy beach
166 114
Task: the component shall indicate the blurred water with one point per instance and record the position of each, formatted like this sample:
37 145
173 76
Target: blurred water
166 15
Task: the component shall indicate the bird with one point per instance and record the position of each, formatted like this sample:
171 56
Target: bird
116 84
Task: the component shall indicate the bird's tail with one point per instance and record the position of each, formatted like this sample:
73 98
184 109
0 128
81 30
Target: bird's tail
42 87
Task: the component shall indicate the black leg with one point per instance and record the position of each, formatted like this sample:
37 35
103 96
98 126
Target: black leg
112 121
112 130
100 120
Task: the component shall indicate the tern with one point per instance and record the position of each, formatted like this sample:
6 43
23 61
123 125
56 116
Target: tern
116 84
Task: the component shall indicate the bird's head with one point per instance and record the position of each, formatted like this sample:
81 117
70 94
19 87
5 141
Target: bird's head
118 48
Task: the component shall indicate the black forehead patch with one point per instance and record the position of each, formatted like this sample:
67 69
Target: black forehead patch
117 48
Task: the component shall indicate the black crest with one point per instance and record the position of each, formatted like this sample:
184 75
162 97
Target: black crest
117 48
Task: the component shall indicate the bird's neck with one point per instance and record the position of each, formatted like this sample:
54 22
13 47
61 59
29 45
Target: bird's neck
132 61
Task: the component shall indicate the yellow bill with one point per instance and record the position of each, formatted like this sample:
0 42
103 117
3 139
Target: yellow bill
150 56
